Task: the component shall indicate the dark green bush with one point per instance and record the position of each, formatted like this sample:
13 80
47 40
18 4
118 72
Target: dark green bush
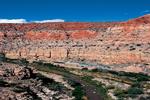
119 93
2 57
136 84
110 87
95 70
102 90
19 89
142 77
135 90
55 86
87 78
24 61
78 92
2 83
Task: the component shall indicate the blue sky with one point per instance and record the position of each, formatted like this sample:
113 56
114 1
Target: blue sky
74 10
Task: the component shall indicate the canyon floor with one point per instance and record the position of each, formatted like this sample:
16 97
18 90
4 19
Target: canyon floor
21 80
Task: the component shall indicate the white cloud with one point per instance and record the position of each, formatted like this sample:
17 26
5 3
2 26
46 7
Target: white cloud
145 11
13 21
25 21
53 20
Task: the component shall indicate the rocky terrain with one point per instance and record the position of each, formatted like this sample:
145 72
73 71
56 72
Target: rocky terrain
124 46
21 83
21 80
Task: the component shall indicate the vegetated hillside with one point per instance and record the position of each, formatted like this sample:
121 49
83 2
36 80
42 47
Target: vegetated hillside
121 45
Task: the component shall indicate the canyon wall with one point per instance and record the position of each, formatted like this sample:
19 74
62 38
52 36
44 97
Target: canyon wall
121 45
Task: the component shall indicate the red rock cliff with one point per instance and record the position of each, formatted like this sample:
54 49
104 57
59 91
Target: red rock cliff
114 44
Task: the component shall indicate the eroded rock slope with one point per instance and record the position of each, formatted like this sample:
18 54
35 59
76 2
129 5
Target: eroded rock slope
121 45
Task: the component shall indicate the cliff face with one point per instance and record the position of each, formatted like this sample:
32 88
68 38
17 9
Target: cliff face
121 45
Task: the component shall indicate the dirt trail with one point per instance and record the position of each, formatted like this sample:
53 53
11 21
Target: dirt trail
91 91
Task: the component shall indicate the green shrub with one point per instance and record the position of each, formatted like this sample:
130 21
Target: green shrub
119 93
50 83
78 93
19 89
110 87
2 57
132 92
135 90
55 86
95 70
136 84
24 61
87 78
2 83
102 90
142 77
44 79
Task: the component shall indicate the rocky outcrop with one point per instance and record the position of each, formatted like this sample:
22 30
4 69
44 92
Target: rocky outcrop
115 43
14 72
22 83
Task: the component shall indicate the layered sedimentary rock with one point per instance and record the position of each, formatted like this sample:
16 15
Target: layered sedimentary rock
122 45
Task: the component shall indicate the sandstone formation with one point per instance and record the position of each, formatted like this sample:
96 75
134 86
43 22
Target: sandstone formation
120 45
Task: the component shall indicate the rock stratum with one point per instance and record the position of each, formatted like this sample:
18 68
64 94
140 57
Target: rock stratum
124 46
